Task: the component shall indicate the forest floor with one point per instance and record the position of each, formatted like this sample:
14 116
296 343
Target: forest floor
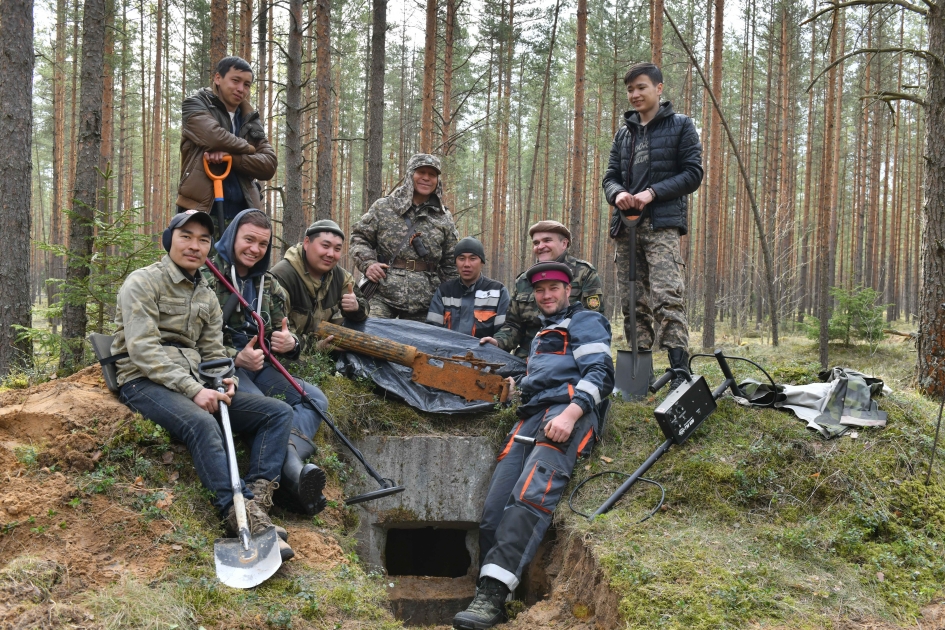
103 523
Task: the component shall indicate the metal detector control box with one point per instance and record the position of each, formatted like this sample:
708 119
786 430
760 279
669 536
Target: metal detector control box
684 409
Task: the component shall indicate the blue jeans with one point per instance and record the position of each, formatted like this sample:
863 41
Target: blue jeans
268 420
269 382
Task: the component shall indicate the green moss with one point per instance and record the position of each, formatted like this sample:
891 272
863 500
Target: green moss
764 521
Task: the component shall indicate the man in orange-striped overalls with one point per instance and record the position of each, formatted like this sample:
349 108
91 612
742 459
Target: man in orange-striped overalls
570 371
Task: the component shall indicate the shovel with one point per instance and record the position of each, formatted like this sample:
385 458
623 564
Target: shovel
218 190
249 560
634 369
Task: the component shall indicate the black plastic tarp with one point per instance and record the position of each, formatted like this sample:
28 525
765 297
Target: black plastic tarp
432 340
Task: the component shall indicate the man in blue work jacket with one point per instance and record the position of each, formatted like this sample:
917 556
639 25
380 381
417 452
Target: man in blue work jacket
472 303
570 370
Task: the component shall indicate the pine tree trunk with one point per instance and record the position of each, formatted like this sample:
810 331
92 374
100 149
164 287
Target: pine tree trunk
86 180
323 195
826 193
931 345
429 76
578 156
156 148
293 219
656 31
714 187
16 127
375 134
218 19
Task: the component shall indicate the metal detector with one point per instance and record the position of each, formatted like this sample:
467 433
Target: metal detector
388 486
249 560
684 409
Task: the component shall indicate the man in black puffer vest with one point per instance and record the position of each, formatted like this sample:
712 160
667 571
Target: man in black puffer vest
655 162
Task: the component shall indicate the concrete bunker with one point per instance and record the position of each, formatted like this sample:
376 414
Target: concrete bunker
426 538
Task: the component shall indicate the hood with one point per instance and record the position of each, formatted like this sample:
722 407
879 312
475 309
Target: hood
403 194
632 119
296 257
224 246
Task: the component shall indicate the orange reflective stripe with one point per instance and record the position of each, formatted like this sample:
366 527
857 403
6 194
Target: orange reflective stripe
548 487
527 482
570 391
448 319
584 442
482 316
537 507
508 446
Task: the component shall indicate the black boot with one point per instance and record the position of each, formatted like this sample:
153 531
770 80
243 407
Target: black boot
678 359
301 485
486 609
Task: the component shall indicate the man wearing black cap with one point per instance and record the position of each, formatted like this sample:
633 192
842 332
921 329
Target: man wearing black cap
570 370
169 321
471 304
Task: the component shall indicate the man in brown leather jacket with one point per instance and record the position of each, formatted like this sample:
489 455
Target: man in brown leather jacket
220 120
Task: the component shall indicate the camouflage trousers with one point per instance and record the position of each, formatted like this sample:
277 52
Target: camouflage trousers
661 306
380 308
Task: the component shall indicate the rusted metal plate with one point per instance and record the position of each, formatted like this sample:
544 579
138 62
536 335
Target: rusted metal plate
465 381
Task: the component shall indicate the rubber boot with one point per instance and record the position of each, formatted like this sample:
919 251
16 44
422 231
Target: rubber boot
486 609
678 359
301 485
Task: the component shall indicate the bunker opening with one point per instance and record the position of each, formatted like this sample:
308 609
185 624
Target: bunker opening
427 552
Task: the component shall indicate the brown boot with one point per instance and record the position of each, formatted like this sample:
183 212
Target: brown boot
258 522
262 491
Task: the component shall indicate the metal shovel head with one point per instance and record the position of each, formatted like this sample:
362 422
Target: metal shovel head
246 568
633 381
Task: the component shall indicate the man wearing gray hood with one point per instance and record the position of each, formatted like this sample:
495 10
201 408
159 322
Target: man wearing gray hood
404 243
243 256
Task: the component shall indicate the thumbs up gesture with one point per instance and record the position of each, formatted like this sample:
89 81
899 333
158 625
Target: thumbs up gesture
282 340
251 358
349 301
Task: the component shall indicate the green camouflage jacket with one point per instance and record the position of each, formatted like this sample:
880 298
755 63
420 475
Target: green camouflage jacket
523 319
382 231
272 310
321 299
168 325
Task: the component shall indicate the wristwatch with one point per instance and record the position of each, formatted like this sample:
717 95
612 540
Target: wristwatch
652 193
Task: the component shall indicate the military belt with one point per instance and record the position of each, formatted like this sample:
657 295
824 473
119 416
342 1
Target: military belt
412 265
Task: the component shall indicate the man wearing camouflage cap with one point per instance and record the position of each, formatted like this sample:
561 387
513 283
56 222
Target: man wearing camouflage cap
404 243
570 371
550 241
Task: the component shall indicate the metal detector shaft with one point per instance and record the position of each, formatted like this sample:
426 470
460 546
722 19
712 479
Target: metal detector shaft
729 378
632 479
385 484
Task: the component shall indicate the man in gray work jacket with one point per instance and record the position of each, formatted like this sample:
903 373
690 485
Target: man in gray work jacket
570 371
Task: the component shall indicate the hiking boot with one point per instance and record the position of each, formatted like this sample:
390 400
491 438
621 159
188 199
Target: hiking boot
262 494
258 522
678 359
486 609
301 485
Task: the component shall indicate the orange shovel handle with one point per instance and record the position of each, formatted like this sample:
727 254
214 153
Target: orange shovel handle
218 179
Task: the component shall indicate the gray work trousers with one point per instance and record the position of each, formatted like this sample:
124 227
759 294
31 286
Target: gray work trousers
525 489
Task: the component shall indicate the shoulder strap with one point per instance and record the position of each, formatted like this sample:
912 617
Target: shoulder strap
333 295
289 278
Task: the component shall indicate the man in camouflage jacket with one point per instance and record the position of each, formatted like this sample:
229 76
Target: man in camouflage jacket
242 256
219 120
404 243
169 321
550 241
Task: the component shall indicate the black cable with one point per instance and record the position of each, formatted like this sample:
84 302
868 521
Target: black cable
617 472
774 386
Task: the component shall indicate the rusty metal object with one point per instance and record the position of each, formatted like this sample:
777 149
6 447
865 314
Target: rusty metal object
472 381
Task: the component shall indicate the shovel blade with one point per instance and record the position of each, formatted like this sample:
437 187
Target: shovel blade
246 568
633 373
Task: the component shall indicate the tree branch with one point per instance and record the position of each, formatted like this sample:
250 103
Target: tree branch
860 3
924 54
887 97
